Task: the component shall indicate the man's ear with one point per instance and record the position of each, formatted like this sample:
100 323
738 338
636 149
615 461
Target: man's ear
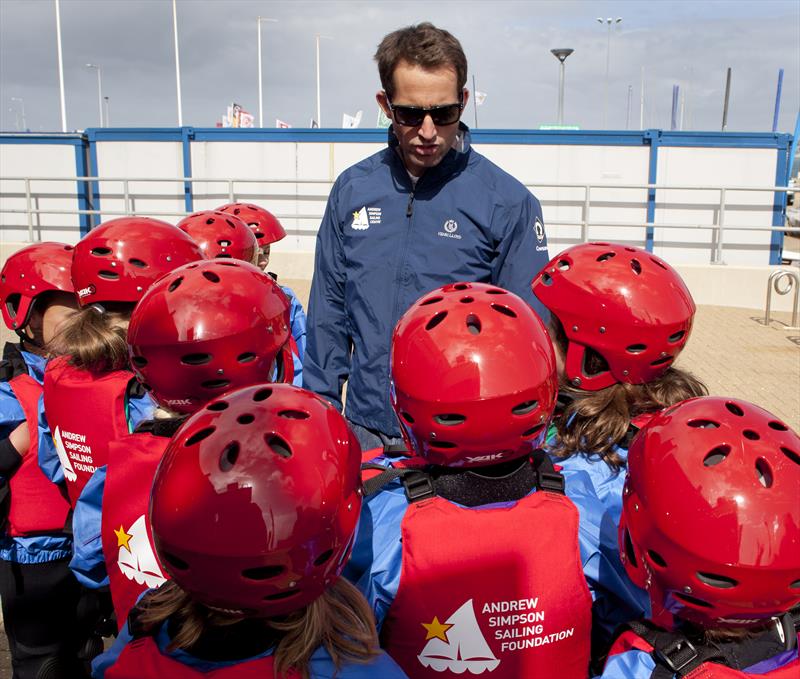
383 102
464 98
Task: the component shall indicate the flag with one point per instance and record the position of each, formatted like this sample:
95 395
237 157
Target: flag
245 119
350 122
383 120
313 124
280 123
480 97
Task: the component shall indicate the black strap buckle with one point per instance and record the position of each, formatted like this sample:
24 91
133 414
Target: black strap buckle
550 480
418 486
677 654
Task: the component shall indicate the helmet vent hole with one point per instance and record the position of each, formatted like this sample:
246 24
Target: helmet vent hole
735 409
751 435
101 252
259 234
658 262
230 223
703 424
525 407
716 455
764 473
694 601
262 395
563 265
139 263
215 384
656 558
504 310
281 595
247 418
636 266
449 419
629 551
636 348
226 263
532 431
795 585
474 324
677 336
139 361
791 454
108 275
262 572
217 406
496 291
460 286
211 276
322 558
778 426
174 285
438 318
606 256
196 359
430 300
229 456
466 300
278 445
662 361
407 417
547 279
246 357
199 436
175 561
443 445
719 581
294 414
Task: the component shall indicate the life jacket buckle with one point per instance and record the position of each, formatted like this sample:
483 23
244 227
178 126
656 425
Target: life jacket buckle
677 654
551 481
418 486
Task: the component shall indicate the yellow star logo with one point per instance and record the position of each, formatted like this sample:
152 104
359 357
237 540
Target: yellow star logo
123 538
356 214
436 630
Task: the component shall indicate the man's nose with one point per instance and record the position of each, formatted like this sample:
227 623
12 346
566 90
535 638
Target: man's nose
427 130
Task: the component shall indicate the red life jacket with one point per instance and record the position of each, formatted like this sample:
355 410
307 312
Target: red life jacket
498 588
85 411
128 548
630 640
142 659
37 504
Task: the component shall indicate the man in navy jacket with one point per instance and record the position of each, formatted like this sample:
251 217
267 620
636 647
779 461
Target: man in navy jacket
425 211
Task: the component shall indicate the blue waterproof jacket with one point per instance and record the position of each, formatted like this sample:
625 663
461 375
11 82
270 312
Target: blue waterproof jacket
383 243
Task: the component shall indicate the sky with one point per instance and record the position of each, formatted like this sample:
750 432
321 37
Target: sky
659 42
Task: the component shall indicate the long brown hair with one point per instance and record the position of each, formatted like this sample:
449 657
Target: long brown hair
340 620
95 338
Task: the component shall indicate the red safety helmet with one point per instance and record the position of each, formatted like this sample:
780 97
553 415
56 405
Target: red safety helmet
711 513
220 234
627 305
37 268
474 376
265 225
121 258
207 328
255 504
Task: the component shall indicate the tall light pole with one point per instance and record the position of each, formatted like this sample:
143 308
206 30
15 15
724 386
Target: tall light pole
60 67
177 62
609 22
99 91
260 93
22 107
319 105
561 54
108 117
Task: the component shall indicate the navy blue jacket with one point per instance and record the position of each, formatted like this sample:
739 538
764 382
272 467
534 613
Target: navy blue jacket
383 244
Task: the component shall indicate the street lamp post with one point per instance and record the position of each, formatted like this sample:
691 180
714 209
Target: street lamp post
319 104
22 107
99 91
260 93
108 117
561 54
609 22
177 61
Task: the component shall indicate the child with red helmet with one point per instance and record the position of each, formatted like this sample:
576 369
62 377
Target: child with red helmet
619 318
253 510
38 593
268 229
474 553
711 528
221 235
202 330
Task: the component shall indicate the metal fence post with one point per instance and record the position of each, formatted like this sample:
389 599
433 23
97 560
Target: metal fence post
587 202
230 190
29 207
717 255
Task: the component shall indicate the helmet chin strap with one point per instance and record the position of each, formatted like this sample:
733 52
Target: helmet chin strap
25 338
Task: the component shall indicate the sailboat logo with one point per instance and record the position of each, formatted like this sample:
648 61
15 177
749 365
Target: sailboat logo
66 465
360 219
136 559
457 644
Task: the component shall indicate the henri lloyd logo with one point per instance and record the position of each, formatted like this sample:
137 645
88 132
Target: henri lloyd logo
450 227
366 217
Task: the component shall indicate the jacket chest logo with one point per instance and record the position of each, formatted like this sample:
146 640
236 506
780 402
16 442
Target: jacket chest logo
366 217
449 229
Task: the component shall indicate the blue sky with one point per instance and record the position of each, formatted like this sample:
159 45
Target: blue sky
507 43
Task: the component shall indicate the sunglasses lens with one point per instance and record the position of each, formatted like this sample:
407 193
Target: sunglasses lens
409 115
412 116
446 115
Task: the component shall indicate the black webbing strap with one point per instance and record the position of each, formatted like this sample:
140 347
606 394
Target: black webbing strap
165 428
673 653
13 363
387 475
547 478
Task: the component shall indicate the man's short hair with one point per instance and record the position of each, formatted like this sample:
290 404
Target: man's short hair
421 45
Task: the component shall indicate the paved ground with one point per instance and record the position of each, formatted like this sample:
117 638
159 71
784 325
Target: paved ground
729 350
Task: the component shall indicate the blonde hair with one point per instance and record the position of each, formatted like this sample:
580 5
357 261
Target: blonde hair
340 620
95 338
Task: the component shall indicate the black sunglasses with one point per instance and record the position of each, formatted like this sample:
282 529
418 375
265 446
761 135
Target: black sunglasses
413 116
